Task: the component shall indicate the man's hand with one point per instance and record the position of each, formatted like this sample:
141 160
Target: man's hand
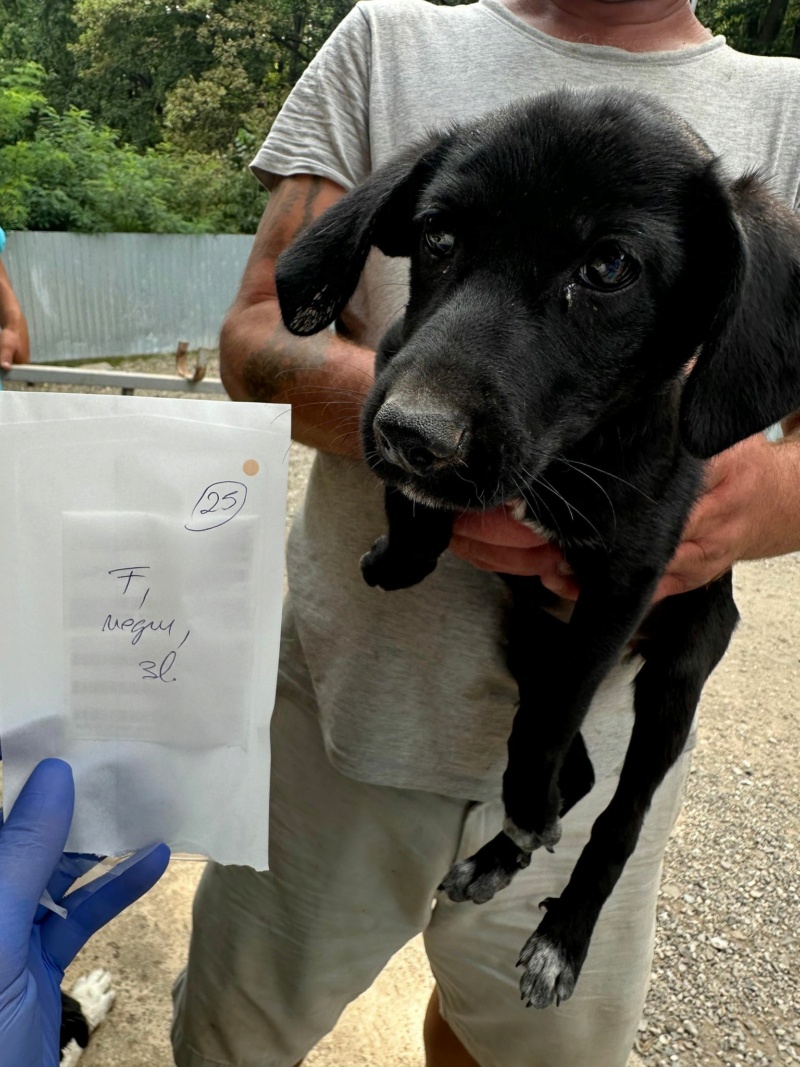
750 509
495 541
15 346
12 348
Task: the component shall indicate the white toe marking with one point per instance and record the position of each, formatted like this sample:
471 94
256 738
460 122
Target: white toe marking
550 962
94 994
461 873
71 1054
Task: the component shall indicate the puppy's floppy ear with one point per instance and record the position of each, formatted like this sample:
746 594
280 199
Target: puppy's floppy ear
747 374
317 275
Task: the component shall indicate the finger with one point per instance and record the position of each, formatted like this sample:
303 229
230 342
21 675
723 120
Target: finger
91 907
695 563
545 562
35 832
561 585
9 345
715 471
704 519
670 585
497 527
502 559
70 867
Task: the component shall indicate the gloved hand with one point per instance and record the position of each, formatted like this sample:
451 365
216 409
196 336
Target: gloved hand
37 945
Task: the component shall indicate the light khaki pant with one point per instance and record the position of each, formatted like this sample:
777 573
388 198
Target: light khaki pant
275 957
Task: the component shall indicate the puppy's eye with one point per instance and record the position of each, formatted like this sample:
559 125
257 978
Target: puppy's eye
438 239
610 267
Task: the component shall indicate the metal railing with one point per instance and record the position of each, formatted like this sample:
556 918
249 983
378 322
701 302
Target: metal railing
125 381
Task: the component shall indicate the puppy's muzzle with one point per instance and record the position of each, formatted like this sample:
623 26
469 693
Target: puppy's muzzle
419 442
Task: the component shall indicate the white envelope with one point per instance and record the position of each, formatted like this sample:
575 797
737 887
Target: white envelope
141 577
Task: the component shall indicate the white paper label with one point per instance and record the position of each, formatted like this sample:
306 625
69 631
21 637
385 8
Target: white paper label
158 620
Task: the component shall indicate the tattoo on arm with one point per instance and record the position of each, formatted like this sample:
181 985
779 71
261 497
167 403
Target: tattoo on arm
291 210
308 208
276 368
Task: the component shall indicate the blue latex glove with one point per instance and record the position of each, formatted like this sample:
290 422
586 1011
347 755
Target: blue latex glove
36 945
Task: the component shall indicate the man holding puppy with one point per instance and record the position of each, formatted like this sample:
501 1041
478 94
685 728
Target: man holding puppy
390 727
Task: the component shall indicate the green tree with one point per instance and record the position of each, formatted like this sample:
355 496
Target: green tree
21 99
16 18
198 73
41 31
129 53
51 32
763 27
62 171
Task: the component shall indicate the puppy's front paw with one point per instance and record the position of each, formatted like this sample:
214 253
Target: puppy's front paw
390 569
552 957
486 873
549 975
465 881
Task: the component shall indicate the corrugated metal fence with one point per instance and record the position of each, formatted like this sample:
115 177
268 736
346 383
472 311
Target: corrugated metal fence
123 294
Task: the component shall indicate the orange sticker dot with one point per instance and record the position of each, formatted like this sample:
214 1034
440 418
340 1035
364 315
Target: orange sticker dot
250 466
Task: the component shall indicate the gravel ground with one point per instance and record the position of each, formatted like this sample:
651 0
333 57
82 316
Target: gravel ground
725 978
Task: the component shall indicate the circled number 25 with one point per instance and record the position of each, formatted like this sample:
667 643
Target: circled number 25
218 504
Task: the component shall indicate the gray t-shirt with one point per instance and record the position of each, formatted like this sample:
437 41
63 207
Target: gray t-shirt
412 686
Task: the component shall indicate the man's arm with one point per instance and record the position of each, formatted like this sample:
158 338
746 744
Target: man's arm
750 510
14 343
326 377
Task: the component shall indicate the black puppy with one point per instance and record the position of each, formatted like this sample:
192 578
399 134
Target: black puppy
570 258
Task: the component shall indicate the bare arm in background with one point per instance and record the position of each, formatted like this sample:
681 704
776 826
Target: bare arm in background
15 346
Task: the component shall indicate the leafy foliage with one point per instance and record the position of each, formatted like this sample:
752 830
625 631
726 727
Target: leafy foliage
61 171
197 72
764 27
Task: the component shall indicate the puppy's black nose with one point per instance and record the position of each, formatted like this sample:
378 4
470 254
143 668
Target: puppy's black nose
418 441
